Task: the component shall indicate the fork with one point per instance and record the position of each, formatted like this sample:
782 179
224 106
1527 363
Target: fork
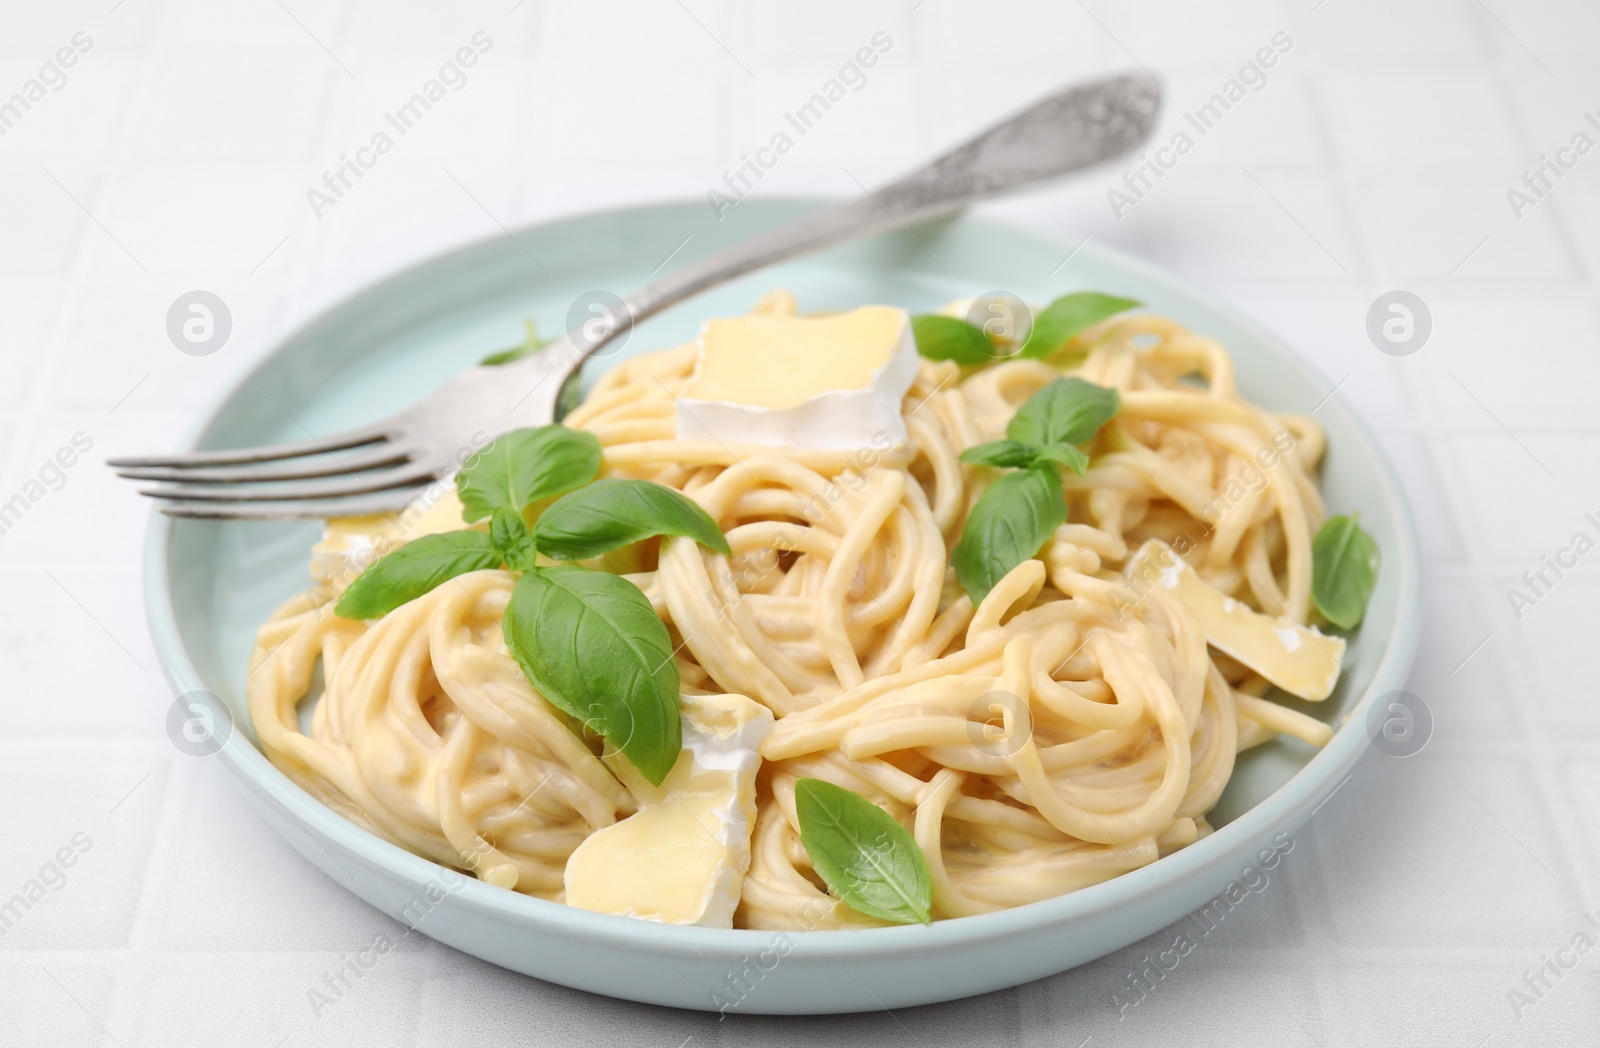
385 465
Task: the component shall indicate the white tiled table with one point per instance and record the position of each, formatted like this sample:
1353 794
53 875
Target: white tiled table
1377 156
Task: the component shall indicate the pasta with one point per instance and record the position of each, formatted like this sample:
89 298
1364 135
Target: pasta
1070 727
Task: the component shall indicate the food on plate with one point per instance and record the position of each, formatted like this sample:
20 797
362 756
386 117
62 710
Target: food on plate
831 621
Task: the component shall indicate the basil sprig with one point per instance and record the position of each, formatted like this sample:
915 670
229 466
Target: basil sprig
1344 569
1065 411
1007 525
1068 455
1069 316
951 338
1049 427
531 343
588 641
509 532
405 574
524 465
609 513
867 859
1020 511
1005 454
593 646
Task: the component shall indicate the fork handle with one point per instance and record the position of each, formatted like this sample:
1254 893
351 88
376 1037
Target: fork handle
1071 129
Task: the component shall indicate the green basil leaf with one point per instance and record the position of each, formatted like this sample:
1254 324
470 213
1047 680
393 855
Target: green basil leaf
1344 568
1007 525
1007 454
1069 315
1065 411
951 338
404 574
611 513
531 343
525 465
866 858
1068 455
510 535
591 644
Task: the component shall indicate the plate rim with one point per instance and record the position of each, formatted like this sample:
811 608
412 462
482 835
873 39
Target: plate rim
1286 807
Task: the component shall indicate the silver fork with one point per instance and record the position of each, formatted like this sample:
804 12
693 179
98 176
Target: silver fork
386 465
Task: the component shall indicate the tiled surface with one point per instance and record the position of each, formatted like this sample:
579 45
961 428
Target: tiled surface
1377 155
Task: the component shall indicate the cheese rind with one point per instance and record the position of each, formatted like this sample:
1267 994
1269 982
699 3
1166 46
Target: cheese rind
819 383
1301 661
681 858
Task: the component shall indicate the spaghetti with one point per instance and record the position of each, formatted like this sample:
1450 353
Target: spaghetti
1069 728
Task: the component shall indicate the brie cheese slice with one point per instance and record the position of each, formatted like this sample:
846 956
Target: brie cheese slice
820 383
1301 661
681 858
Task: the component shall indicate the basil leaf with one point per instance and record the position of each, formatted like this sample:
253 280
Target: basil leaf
1069 315
532 343
1007 525
592 645
866 858
1344 568
611 513
404 574
951 338
510 535
1065 411
525 465
1004 453
1067 455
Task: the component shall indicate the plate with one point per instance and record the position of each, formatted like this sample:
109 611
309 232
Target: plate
210 585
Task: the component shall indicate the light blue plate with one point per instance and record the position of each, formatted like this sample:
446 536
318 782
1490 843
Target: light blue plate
209 586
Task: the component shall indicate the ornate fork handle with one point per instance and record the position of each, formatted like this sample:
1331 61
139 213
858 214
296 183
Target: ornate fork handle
1071 129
